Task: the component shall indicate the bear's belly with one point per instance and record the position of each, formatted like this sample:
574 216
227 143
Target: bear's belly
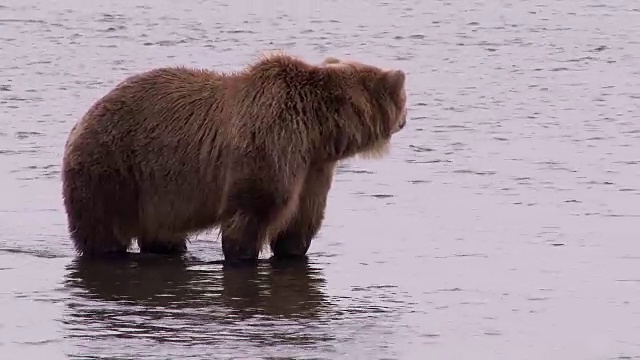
178 201
182 212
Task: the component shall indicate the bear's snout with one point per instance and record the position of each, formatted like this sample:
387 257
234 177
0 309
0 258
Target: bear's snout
403 121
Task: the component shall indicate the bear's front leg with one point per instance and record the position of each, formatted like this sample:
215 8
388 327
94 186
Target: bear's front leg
251 206
294 241
242 238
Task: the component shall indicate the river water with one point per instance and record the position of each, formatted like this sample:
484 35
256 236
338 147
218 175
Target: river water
503 225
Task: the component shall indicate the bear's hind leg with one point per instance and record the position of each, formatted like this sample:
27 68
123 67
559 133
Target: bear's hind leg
165 245
94 240
294 240
91 204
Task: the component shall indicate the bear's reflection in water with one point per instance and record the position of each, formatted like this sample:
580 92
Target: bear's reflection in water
194 303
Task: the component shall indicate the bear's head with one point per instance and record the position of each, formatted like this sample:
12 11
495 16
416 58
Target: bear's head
380 98
346 108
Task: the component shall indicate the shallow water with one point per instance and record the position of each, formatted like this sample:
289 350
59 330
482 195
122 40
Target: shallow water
502 226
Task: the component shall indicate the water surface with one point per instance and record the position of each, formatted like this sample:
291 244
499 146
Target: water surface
502 226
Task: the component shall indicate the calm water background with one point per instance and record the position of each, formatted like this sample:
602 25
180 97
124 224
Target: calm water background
504 224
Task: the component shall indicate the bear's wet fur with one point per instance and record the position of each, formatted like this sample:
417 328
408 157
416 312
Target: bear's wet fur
175 150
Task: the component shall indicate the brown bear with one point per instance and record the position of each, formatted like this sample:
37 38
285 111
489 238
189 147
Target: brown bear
174 151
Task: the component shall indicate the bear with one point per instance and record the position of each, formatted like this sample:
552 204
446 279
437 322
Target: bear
175 150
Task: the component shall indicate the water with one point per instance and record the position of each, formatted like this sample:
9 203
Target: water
502 226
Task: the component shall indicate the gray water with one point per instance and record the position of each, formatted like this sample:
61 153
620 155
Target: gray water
503 225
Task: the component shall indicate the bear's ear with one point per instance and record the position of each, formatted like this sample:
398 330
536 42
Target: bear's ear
330 61
395 79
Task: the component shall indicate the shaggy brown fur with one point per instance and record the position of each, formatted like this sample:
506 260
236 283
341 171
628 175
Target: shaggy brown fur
174 151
